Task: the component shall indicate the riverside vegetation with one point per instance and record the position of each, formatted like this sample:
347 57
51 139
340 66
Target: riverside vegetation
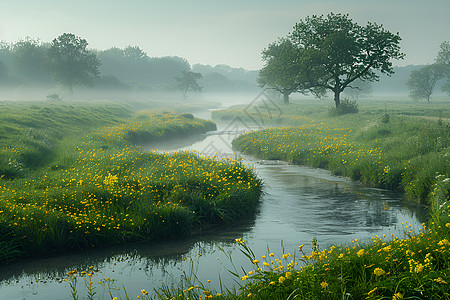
73 176
415 266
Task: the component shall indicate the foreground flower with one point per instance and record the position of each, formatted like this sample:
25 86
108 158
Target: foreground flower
360 253
379 272
440 280
372 291
324 285
397 296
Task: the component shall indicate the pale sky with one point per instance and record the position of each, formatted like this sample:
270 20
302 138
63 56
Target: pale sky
232 32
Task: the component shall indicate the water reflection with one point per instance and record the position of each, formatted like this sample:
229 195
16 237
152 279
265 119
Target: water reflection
299 203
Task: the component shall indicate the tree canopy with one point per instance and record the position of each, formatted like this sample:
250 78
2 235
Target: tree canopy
70 62
281 69
332 52
187 81
423 81
443 60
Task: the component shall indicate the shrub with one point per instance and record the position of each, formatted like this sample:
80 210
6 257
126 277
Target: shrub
346 107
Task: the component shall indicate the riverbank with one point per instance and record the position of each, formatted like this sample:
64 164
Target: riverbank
389 151
93 187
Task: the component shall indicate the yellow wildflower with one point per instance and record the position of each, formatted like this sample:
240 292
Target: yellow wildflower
360 253
379 272
440 280
418 268
288 275
372 291
397 296
444 242
324 285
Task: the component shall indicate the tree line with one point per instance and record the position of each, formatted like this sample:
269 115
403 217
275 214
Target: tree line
68 61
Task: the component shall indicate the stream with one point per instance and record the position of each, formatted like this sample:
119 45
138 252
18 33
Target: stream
298 204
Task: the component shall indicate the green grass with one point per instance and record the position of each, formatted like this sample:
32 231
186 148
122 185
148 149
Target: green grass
99 188
391 151
302 111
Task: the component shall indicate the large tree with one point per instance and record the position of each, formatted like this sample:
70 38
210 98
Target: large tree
281 69
335 52
70 62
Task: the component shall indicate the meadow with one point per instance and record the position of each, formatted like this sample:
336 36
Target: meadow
81 179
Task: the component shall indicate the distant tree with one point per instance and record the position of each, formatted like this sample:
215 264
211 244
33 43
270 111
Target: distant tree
443 60
281 68
3 72
334 52
423 81
135 53
29 56
187 81
5 54
70 62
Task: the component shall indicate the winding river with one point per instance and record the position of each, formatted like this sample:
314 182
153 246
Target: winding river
299 204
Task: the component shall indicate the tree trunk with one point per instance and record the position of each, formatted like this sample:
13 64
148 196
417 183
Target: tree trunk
286 98
337 91
337 100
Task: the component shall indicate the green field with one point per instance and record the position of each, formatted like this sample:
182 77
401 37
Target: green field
77 178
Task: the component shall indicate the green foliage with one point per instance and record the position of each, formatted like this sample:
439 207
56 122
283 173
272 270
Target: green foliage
331 52
280 71
423 81
70 62
188 81
443 60
385 118
346 107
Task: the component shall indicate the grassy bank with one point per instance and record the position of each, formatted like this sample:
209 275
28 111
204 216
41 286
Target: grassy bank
100 188
392 151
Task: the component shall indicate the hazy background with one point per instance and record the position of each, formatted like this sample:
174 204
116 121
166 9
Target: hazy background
217 32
